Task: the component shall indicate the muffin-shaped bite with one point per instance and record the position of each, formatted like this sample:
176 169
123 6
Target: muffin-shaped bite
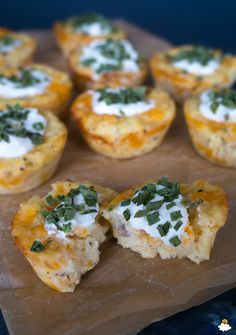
31 144
189 70
211 120
38 86
81 30
107 63
16 49
169 219
123 122
60 234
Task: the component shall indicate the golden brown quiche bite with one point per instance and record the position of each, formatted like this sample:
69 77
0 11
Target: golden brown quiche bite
39 86
189 70
60 234
81 30
211 120
31 145
107 63
16 49
123 122
168 218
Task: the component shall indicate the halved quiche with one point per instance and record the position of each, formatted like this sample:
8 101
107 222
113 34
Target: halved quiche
169 219
60 234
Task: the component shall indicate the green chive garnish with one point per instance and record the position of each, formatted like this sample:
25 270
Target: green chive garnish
175 241
37 246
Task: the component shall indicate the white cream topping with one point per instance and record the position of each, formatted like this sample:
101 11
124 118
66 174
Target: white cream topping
127 65
222 114
82 220
141 223
5 48
11 90
196 67
93 29
19 146
119 109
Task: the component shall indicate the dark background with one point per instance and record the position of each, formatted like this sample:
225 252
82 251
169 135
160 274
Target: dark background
210 22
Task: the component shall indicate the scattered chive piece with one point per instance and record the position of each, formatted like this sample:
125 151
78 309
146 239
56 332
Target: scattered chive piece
152 218
175 241
140 213
50 200
178 225
166 227
37 246
126 214
172 204
125 202
161 230
175 215
154 205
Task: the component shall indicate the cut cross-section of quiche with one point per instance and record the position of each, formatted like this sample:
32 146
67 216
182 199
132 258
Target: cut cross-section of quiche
169 219
60 234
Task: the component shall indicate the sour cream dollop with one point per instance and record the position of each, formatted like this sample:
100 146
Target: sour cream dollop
18 146
197 68
222 113
173 213
80 220
11 90
127 63
119 109
93 29
10 46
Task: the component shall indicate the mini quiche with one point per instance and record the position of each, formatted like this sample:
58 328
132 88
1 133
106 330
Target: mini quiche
38 86
123 122
211 120
189 70
16 49
107 63
61 233
31 144
81 30
169 219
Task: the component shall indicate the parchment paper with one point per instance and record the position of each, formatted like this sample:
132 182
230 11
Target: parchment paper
124 292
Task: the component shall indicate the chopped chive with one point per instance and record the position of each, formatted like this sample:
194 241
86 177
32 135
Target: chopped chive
126 214
51 201
153 218
67 227
176 215
44 213
125 202
166 227
140 213
172 204
154 205
161 230
37 246
175 241
178 225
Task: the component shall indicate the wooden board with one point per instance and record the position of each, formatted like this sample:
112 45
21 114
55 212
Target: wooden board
124 292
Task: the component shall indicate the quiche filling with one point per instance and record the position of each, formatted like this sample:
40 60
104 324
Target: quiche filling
91 24
26 83
219 106
21 129
121 101
159 209
196 60
110 55
64 213
8 43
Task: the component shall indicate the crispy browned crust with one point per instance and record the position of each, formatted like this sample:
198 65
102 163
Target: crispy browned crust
56 97
38 165
215 141
183 85
69 41
124 137
20 56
